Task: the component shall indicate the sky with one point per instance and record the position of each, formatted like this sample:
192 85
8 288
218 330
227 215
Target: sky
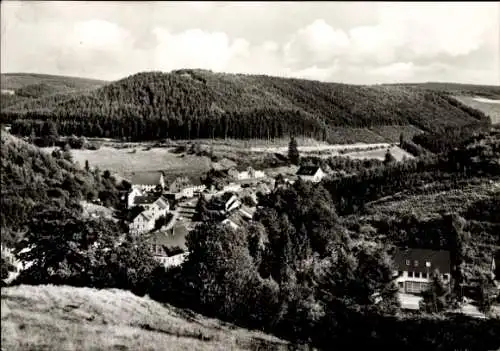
347 42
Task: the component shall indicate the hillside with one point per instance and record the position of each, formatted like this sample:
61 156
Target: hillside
491 91
67 318
31 178
191 104
24 87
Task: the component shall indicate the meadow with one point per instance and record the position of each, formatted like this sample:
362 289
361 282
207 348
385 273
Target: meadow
50 317
491 107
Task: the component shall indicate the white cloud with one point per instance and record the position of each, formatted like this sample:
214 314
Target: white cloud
324 41
317 43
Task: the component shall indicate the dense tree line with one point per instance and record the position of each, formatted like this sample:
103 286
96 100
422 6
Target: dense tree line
477 158
31 177
190 104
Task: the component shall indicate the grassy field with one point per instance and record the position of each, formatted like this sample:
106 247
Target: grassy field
127 158
126 161
66 318
490 107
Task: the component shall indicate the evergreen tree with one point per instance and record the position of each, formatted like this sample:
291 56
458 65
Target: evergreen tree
293 151
437 297
389 159
87 167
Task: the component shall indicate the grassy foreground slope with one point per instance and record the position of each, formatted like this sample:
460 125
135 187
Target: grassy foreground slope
193 104
68 318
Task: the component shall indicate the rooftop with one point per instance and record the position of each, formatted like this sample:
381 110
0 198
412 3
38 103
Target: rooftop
418 260
146 178
308 170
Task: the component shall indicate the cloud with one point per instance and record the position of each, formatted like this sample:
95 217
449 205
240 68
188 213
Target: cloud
316 43
324 41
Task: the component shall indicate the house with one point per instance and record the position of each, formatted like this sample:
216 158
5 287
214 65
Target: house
311 173
142 223
185 187
230 201
148 181
250 173
163 251
134 192
156 205
247 212
414 268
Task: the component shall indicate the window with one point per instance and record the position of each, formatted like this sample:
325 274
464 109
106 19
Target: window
445 276
410 274
428 264
400 273
407 262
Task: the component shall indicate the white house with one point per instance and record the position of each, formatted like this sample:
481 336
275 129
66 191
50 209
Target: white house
147 181
250 173
414 268
143 223
134 192
157 206
311 173
185 187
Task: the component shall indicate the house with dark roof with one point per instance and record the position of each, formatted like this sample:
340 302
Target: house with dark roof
414 268
163 250
186 187
154 208
147 181
142 223
311 173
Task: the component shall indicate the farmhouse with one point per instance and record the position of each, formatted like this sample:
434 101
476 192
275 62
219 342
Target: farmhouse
311 173
414 268
160 244
143 223
157 205
148 181
134 192
185 187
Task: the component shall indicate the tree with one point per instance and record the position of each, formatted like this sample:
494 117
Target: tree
437 298
219 270
62 245
87 166
389 159
67 153
293 151
49 132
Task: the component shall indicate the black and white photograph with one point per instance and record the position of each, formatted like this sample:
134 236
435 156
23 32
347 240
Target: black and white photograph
217 175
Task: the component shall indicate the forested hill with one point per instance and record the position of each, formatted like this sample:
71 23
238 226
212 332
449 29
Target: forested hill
33 179
488 91
21 87
187 104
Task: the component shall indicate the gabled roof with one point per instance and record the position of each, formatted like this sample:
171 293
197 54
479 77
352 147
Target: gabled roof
144 215
146 178
308 170
438 260
248 211
145 200
162 203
